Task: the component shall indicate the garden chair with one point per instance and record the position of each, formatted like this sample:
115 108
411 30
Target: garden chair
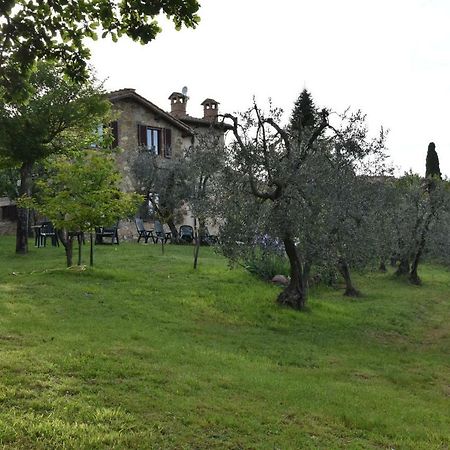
186 233
160 234
142 232
208 239
111 232
46 230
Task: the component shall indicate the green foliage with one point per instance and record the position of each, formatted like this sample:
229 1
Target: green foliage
144 352
83 192
266 264
9 177
162 182
60 116
432 162
31 31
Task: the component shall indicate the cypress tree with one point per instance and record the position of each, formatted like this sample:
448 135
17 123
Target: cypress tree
432 162
304 113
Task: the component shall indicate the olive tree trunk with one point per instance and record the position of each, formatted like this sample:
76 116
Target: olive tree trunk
295 294
350 290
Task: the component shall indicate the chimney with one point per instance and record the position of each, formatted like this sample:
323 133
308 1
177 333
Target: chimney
178 104
210 109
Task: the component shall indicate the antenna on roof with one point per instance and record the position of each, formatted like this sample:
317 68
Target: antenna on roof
184 91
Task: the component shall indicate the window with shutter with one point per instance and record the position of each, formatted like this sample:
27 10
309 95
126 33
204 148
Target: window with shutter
155 139
142 135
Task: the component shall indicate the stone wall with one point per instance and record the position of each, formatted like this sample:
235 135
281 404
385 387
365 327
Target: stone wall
7 227
130 114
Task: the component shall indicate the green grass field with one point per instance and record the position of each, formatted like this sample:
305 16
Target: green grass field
143 352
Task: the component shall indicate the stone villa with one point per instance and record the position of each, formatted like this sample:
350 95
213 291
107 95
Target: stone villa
141 123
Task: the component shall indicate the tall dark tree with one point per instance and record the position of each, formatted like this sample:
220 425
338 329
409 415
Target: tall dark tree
304 113
434 202
432 163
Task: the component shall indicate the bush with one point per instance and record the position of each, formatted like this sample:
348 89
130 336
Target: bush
267 258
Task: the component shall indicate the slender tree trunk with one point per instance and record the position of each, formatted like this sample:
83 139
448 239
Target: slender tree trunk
198 236
67 242
413 275
295 293
350 290
91 252
79 249
23 213
173 230
196 252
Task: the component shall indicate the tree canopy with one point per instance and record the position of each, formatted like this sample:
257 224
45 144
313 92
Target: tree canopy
60 116
56 30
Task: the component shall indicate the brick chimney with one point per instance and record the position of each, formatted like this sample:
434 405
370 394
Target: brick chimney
178 103
210 109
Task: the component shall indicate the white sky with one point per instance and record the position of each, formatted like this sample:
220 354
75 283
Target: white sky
390 58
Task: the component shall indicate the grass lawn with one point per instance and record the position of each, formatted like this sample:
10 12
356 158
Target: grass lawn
143 352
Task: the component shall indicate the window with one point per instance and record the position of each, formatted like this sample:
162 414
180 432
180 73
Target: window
156 140
100 134
153 138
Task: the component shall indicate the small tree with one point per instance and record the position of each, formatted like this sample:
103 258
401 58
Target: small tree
203 161
163 184
83 193
422 203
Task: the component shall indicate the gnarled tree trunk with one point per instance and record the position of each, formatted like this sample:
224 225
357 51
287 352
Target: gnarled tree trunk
295 294
350 290
413 275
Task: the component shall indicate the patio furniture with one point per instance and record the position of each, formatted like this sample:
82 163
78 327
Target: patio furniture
160 234
42 232
186 234
208 239
142 232
110 232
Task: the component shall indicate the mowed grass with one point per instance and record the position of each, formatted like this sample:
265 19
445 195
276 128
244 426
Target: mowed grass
144 352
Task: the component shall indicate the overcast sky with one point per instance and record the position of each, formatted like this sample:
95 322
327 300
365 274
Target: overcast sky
389 58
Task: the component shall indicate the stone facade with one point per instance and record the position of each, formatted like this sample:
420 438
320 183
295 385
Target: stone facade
137 115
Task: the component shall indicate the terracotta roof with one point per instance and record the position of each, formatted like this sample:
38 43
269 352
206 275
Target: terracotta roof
131 94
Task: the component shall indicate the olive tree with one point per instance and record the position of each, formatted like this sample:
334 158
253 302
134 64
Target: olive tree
275 183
